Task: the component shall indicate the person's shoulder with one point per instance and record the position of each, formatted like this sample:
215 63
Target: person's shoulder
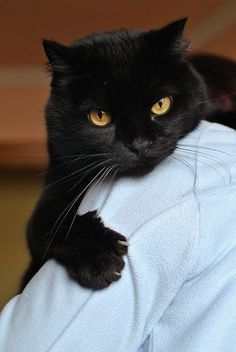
217 226
218 139
213 148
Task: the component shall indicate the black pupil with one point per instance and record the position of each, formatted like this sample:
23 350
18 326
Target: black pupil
100 114
160 103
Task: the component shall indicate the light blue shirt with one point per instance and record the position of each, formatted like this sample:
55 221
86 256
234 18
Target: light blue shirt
177 292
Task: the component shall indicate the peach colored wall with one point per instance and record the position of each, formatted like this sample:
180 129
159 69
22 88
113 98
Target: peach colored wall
24 23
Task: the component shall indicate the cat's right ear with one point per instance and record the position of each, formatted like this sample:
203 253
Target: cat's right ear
57 55
170 38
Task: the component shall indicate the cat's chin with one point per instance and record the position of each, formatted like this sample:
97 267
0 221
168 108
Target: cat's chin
137 169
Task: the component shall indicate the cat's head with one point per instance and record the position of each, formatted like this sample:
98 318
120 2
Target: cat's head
125 97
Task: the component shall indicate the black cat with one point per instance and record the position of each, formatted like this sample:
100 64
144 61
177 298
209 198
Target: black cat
120 101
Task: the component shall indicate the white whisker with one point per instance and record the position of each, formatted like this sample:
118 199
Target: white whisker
73 220
67 210
87 173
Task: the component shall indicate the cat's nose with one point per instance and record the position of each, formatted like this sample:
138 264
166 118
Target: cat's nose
140 146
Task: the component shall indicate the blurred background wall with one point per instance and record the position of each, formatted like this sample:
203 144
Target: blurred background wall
24 89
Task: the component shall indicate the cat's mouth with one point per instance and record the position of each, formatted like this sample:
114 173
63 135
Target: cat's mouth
141 166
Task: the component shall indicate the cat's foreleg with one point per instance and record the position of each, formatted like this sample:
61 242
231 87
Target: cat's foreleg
91 252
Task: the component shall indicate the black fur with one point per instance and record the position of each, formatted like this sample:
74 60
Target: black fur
124 73
219 74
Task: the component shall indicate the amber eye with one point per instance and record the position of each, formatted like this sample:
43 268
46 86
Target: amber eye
161 107
99 118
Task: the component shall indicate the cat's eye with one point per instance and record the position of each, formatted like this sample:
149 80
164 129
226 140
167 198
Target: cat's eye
99 118
161 107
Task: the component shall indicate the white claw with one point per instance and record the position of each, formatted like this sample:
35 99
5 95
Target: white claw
124 243
116 273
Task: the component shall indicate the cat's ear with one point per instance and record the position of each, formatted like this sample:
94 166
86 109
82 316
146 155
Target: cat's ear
57 55
174 30
171 37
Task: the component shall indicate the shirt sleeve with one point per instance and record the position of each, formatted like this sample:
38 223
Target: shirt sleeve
55 314
202 316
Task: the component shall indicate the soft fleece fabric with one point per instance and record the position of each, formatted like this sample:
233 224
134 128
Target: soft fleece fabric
178 289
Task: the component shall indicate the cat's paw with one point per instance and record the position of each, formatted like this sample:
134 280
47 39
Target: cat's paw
100 263
98 257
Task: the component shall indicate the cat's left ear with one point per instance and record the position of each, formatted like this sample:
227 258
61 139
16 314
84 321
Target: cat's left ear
170 37
57 54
